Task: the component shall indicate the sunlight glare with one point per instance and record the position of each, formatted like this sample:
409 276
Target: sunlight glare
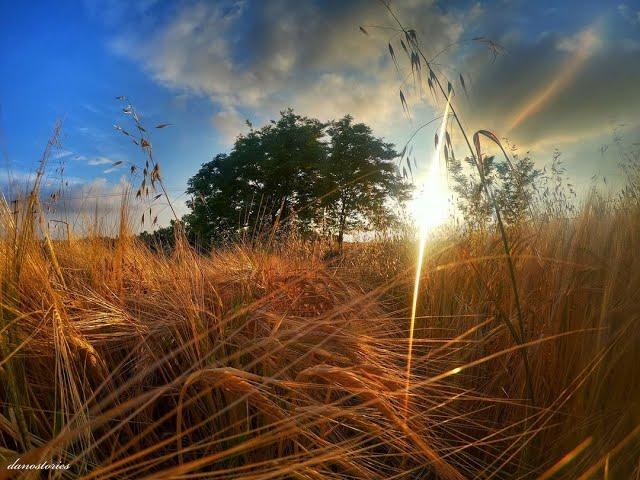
430 207
432 210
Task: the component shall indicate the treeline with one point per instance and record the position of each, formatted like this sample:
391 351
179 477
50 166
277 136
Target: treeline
325 178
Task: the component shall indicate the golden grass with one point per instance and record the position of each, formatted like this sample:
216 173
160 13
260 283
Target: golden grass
254 363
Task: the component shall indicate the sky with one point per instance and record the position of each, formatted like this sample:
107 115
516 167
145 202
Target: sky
566 77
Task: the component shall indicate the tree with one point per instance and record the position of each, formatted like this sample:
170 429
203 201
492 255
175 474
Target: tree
513 185
518 183
161 240
269 174
323 177
471 201
359 179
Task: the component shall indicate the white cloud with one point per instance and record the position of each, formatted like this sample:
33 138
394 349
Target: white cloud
585 42
265 56
66 154
60 154
229 123
82 202
100 161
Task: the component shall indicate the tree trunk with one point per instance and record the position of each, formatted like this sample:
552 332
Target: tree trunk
343 223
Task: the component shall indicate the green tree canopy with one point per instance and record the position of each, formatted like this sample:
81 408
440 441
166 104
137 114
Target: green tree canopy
513 186
332 177
359 179
268 173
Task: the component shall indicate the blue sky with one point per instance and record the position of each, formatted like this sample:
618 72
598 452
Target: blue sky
568 77
57 64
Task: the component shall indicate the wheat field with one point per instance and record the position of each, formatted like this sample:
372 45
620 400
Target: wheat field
280 361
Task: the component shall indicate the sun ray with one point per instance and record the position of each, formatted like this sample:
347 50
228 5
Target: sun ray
434 211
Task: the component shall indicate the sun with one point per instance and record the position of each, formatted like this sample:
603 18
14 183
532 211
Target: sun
430 206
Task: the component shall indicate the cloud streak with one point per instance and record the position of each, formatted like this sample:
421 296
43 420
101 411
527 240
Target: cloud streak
100 161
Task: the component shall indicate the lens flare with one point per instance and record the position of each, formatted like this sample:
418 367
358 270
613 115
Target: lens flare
431 210
582 50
